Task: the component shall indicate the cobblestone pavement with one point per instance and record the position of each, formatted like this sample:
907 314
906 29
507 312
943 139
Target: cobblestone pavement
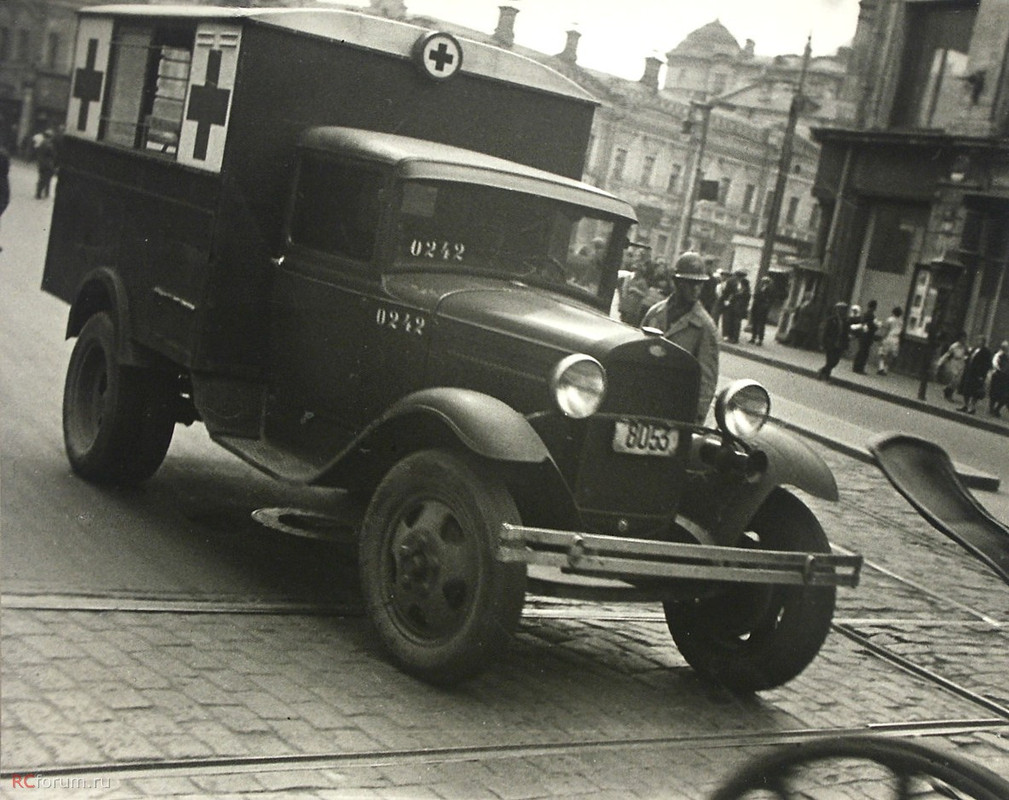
593 700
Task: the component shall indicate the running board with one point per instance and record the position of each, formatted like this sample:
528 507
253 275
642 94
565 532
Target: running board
596 555
924 474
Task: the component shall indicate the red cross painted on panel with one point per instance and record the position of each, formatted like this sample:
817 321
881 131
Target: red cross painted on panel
87 84
208 105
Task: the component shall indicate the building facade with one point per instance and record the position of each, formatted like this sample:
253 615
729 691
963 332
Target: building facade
36 49
915 193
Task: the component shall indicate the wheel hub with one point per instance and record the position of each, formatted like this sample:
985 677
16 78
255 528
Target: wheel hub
418 562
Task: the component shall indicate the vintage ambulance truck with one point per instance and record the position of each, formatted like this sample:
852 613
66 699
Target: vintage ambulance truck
358 253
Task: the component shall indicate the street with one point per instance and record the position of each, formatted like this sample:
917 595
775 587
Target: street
161 638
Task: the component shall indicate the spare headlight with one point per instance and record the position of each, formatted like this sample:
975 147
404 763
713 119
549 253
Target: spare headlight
742 408
578 384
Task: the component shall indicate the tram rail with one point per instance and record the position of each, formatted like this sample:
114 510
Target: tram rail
444 755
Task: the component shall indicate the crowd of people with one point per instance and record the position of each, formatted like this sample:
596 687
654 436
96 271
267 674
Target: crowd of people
690 305
972 372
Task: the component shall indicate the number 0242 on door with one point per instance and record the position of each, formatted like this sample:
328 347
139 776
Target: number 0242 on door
638 437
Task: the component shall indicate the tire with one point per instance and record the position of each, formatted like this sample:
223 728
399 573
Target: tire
442 605
903 769
759 636
117 420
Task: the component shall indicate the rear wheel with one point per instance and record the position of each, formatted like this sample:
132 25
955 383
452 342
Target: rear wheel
758 636
117 420
442 604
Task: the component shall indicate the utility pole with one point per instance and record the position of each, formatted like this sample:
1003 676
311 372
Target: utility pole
698 172
784 166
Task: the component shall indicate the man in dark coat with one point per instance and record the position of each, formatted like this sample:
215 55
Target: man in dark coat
762 299
735 300
975 370
835 337
865 335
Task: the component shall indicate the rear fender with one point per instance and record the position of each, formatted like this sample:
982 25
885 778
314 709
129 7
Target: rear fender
103 290
790 462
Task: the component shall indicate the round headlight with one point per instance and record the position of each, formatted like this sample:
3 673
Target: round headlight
742 408
578 384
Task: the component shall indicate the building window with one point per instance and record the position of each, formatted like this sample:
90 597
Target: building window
147 89
814 217
930 92
24 45
894 236
647 170
793 208
52 50
5 44
674 179
619 162
748 195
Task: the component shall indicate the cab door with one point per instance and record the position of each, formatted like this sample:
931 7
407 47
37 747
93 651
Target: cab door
325 290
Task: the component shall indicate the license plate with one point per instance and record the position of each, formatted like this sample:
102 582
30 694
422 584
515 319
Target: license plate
644 438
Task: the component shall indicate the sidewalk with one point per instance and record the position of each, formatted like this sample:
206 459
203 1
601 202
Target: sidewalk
893 387
849 436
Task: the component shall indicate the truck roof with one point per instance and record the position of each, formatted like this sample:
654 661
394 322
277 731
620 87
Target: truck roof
370 33
422 159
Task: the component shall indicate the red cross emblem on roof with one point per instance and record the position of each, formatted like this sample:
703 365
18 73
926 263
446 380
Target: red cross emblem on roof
438 54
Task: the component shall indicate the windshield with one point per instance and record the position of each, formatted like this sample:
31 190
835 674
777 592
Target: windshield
443 225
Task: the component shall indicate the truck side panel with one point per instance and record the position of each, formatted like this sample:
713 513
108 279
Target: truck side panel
151 220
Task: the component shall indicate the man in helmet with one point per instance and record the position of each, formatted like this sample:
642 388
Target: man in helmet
684 321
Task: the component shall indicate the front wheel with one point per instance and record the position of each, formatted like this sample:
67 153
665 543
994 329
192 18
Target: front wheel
117 420
442 604
759 636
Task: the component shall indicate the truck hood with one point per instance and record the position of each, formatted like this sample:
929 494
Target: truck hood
513 309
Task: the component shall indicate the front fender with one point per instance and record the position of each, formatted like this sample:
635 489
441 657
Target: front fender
437 417
790 462
483 424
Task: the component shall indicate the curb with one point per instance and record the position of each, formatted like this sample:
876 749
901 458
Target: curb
907 402
971 478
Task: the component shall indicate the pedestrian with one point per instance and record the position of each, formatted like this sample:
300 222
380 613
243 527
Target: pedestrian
998 391
865 335
735 301
889 344
975 370
685 322
949 367
45 158
716 309
761 307
632 295
804 322
834 338
5 183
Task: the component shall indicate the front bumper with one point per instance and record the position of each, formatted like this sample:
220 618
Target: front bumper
595 555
